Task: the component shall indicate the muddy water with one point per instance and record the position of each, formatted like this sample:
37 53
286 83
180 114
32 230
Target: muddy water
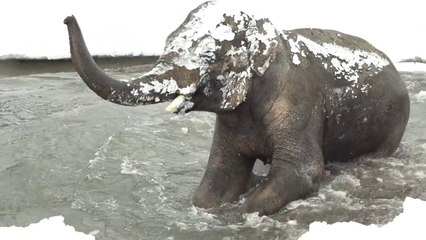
129 173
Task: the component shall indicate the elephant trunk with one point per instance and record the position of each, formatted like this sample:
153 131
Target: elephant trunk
150 88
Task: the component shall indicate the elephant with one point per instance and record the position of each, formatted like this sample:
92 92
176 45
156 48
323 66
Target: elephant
295 99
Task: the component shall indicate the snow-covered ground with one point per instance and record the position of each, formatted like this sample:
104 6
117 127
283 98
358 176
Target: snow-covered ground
411 67
52 228
408 225
34 29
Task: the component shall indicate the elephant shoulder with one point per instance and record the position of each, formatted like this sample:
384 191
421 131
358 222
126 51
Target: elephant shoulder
346 58
327 36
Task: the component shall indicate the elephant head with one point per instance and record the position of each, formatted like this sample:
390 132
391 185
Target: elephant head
208 62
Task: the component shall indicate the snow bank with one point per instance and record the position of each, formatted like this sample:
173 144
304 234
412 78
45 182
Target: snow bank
52 228
411 67
419 97
408 225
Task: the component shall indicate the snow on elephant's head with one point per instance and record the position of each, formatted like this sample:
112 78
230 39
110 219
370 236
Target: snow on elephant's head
226 47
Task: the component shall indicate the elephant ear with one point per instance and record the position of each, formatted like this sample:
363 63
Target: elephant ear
261 43
224 81
234 50
263 40
224 85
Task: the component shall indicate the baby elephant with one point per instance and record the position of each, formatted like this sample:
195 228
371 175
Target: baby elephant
293 99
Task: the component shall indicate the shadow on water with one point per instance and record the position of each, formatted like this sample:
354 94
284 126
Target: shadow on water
130 172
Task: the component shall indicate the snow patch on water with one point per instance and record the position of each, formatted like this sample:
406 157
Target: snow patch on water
408 225
52 228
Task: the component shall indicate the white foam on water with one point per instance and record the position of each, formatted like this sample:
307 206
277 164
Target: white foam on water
184 130
197 218
263 223
128 167
202 220
52 228
346 181
100 154
338 190
133 167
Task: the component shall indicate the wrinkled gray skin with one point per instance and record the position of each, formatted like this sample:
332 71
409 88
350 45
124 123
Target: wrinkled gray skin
293 99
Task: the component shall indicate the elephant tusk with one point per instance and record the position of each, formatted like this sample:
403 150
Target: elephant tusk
176 104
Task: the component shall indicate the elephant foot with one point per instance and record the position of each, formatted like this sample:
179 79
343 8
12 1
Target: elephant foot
204 198
225 179
220 190
275 192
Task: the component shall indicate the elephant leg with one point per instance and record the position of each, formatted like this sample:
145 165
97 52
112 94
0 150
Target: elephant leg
225 179
296 170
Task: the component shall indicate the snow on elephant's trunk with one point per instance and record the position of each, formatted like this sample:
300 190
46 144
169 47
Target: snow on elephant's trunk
158 85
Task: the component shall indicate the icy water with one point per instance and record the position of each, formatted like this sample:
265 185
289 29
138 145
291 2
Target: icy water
130 173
